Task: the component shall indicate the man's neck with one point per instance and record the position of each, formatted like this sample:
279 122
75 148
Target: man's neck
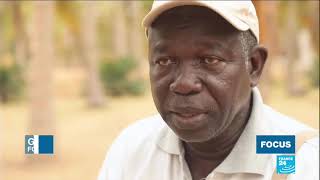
217 148
208 155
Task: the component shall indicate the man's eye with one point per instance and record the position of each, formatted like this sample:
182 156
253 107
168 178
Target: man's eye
210 60
165 61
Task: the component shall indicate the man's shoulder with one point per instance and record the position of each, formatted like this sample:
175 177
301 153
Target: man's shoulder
132 144
141 132
145 126
284 124
306 167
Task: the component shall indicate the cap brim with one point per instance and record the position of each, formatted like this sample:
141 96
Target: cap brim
154 13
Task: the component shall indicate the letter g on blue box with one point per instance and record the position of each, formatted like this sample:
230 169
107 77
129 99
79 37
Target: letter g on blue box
275 144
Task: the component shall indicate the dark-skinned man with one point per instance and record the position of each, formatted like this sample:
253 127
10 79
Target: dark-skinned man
205 63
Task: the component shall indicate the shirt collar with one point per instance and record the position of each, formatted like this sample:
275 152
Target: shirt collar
243 157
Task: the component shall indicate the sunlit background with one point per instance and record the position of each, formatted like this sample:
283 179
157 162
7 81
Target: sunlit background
79 71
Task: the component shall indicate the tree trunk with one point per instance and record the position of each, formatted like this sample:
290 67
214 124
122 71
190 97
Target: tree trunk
1 29
90 53
20 34
314 24
136 37
267 14
292 49
136 44
120 31
1 126
40 69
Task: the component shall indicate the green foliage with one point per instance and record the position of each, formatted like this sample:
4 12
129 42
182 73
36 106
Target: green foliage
315 73
11 82
116 80
147 5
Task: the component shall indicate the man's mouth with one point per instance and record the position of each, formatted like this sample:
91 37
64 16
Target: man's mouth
187 115
187 111
188 118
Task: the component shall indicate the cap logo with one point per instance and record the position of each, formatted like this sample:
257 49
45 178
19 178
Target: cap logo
244 12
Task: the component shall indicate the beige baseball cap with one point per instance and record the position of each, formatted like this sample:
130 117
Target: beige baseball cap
240 14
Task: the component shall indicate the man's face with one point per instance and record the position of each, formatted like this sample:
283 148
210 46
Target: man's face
198 74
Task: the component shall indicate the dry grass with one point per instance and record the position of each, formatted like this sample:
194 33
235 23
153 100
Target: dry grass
83 135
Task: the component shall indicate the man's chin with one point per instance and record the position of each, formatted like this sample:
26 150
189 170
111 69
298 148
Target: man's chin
193 129
193 135
194 138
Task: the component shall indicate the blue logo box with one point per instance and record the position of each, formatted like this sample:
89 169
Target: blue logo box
286 164
275 144
39 144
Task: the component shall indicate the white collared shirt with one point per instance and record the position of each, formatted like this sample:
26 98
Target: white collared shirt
150 150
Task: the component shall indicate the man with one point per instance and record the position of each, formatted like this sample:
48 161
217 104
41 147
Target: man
205 64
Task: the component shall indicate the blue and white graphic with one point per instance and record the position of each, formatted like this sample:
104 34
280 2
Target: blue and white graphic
286 164
275 144
39 144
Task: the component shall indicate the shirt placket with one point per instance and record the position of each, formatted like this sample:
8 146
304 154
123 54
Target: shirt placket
186 171
184 167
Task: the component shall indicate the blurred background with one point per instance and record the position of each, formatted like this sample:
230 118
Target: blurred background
78 70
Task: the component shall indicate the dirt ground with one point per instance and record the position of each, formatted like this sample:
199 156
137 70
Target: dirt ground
83 135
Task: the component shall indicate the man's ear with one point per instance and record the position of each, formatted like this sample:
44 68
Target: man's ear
257 59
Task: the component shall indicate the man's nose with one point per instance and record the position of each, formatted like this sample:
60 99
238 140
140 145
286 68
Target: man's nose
186 84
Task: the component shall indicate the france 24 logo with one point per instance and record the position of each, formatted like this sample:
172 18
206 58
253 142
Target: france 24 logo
38 144
286 164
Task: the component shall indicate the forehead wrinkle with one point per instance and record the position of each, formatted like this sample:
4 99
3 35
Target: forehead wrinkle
159 46
201 43
194 28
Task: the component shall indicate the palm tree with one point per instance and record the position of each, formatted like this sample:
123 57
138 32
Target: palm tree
40 68
136 44
136 36
267 12
291 48
120 43
90 52
20 33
